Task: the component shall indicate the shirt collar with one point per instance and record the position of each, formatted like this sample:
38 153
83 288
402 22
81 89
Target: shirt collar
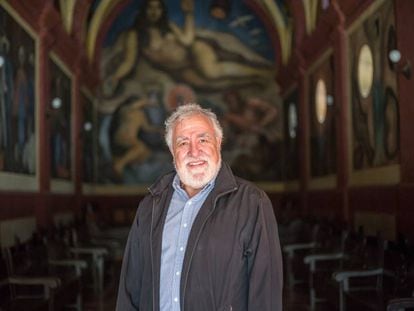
177 187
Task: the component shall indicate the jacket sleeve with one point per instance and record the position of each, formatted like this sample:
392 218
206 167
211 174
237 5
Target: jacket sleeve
265 269
129 285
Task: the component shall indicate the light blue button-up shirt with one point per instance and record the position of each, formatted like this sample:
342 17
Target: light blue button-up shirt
180 217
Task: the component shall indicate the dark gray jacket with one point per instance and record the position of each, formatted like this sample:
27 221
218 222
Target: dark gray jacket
232 261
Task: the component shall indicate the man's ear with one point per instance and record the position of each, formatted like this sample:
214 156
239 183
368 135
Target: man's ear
219 142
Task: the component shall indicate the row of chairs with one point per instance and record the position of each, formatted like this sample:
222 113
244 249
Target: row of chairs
345 269
29 264
53 269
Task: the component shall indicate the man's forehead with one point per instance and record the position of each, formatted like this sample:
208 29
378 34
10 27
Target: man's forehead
202 134
194 122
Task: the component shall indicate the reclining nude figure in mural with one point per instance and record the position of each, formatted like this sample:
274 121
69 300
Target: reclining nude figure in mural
129 147
198 58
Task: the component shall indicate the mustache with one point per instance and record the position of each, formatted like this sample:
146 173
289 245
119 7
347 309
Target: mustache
189 159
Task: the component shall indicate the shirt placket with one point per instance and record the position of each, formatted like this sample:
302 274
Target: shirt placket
179 259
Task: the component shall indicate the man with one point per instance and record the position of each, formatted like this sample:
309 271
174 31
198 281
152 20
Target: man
203 239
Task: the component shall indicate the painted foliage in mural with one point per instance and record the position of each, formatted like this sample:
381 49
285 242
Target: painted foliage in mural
322 122
88 131
375 107
163 54
60 121
17 97
291 123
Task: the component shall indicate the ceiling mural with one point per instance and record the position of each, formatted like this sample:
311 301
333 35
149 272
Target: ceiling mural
157 55
240 22
237 15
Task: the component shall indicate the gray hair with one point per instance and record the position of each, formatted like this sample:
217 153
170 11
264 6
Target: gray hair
189 110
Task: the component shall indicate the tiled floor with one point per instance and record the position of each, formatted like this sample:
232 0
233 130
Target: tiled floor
296 299
105 301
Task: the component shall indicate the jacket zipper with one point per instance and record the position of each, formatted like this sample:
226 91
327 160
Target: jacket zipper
152 256
196 242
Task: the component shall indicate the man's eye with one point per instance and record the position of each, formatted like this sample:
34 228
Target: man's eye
182 143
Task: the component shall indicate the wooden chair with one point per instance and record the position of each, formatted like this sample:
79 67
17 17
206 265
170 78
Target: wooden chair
31 259
294 254
26 293
82 248
323 264
64 263
403 298
77 243
370 286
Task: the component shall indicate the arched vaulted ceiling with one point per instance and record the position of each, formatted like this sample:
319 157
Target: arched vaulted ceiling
285 21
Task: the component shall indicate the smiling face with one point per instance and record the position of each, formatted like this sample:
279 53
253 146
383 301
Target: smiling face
196 152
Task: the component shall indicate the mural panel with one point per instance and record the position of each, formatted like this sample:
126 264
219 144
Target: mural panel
291 123
17 97
375 107
322 122
60 108
89 139
160 55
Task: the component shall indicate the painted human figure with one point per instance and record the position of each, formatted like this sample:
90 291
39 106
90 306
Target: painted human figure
252 126
21 104
127 145
6 91
185 54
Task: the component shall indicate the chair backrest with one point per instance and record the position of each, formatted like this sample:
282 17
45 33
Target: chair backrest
28 258
5 294
402 304
373 252
353 247
63 219
16 229
398 259
58 242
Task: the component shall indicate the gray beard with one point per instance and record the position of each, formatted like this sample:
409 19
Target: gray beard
188 179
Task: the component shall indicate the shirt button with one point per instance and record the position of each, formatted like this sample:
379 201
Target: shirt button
189 202
176 299
181 248
185 225
177 273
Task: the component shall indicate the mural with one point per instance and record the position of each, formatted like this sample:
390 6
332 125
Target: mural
375 107
88 134
60 121
291 124
322 122
159 55
17 97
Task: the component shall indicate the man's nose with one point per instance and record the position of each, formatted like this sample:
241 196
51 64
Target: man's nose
194 149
